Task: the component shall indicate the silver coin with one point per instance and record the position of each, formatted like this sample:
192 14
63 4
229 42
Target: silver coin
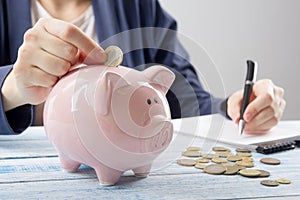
114 56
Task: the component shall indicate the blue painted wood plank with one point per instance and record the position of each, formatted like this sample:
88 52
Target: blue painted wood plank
30 169
43 176
189 186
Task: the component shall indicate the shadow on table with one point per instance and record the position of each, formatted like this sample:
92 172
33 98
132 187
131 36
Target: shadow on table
126 179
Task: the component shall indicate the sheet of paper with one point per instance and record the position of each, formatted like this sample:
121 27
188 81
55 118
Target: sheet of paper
218 128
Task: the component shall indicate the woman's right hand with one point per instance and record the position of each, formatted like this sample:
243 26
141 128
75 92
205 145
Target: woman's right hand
48 51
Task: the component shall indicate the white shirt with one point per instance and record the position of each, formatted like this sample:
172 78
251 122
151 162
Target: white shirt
86 21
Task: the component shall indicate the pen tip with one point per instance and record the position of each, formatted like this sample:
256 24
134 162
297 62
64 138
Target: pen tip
241 126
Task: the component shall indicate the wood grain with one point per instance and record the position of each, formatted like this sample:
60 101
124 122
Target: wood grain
30 169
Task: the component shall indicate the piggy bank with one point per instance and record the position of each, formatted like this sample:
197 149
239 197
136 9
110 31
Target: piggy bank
111 119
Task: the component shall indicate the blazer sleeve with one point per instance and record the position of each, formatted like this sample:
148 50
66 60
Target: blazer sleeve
16 120
187 97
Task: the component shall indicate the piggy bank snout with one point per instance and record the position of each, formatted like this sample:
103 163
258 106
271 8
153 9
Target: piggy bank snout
155 114
146 105
157 111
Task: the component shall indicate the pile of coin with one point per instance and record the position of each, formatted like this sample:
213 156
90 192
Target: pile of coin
223 161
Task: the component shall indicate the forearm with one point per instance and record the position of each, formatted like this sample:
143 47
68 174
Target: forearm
10 96
16 119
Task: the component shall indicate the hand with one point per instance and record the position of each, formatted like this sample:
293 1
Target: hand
49 49
264 110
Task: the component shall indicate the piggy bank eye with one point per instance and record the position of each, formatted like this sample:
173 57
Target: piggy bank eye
155 100
149 101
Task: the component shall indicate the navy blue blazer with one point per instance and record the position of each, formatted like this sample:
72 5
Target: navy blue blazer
141 46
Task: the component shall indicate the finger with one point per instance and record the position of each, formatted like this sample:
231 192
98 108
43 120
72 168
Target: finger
256 132
51 64
264 97
76 37
60 49
40 78
279 93
261 118
234 106
281 109
51 44
266 119
263 128
271 98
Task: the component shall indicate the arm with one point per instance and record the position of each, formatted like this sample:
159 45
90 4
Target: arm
10 122
266 105
187 96
16 120
57 46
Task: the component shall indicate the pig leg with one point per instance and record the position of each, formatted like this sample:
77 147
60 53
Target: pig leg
107 176
142 171
68 164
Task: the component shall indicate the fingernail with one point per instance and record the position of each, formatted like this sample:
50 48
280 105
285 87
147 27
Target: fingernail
96 56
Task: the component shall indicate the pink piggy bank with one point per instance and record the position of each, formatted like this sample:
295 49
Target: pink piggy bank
111 119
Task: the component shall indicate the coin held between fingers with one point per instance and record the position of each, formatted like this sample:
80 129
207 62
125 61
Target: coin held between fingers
114 56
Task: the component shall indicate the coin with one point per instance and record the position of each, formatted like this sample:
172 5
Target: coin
223 154
193 148
191 153
242 154
283 181
215 156
219 148
215 169
270 183
229 164
234 158
263 173
186 162
208 156
245 163
200 166
202 160
218 160
249 172
270 161
242 150
247 159
114 56
231 170
241 167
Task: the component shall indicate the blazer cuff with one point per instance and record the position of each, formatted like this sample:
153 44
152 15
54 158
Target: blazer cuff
220 106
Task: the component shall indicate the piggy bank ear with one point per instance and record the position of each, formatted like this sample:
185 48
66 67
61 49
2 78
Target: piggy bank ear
110 82
160 75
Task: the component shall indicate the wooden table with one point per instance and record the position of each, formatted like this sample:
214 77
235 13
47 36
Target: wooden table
29 169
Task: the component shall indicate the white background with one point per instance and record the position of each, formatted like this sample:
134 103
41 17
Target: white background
231 31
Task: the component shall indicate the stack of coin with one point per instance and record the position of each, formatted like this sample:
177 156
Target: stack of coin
223 161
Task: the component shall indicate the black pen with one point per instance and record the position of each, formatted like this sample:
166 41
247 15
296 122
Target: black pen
250 79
